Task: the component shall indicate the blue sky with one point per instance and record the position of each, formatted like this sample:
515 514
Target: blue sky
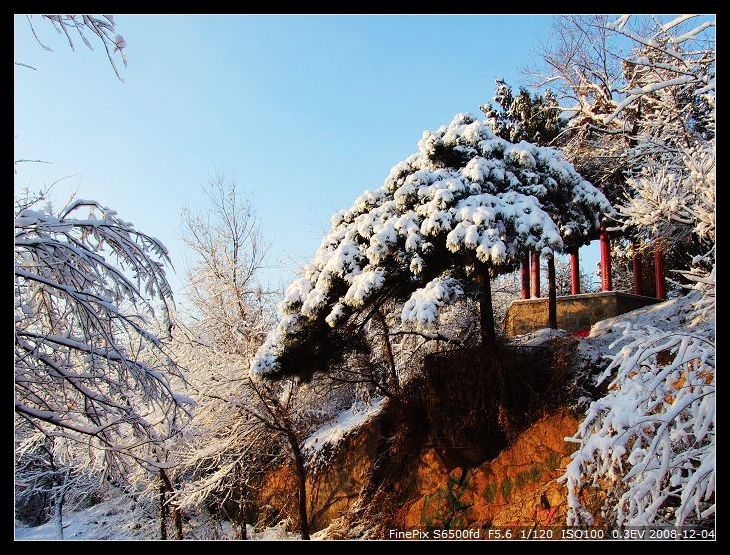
304 112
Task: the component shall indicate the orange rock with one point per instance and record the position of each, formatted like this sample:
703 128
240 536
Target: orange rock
517 488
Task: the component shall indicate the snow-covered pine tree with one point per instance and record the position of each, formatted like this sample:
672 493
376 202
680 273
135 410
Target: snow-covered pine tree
466 207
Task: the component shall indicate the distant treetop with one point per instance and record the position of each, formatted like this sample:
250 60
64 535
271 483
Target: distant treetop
534 118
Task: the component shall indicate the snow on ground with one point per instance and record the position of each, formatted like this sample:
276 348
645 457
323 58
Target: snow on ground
335 430
599 345
666 316
109 520
538 337
116 519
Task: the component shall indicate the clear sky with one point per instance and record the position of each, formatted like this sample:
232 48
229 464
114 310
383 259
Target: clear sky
305 112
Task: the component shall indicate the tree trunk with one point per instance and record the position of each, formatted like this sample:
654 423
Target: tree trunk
552 300
58 506
388 350
486 314
302 483
242 517
242 512
163 507
176 514
177 519
58 515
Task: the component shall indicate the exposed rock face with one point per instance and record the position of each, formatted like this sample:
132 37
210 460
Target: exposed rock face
332 488
518 487
476 441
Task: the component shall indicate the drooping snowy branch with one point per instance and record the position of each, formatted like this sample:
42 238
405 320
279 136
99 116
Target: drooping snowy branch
103 27
650 442
91 297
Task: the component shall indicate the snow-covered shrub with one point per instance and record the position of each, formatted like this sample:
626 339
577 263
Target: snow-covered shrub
650 442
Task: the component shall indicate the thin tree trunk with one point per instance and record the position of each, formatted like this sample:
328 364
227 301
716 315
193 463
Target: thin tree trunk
176 514
59 483
58 508
389 354
486 314
163 508
552 300
302 482
177 519
242 509
58 516
242 513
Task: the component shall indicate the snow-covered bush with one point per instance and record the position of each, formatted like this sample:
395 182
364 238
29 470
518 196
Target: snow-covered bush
650 442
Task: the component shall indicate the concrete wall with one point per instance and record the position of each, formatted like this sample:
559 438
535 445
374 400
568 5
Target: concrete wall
574 312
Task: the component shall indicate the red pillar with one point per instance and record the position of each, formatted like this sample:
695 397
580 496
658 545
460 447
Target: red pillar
636 266
535 274
606 284
574 272
525 276
661 286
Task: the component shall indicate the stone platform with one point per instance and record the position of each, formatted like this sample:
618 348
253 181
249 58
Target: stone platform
575 313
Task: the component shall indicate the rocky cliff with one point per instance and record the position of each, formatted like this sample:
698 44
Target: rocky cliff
470 450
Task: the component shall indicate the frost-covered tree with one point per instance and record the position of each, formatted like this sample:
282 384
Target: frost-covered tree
641 95
91 300
223 452
581 66
636 89
465 208
94 380
669 96
227 305
240 429
649 444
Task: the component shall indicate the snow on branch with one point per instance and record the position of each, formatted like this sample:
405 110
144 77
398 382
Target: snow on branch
650 442
675 64
103 27
91 303
468 197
